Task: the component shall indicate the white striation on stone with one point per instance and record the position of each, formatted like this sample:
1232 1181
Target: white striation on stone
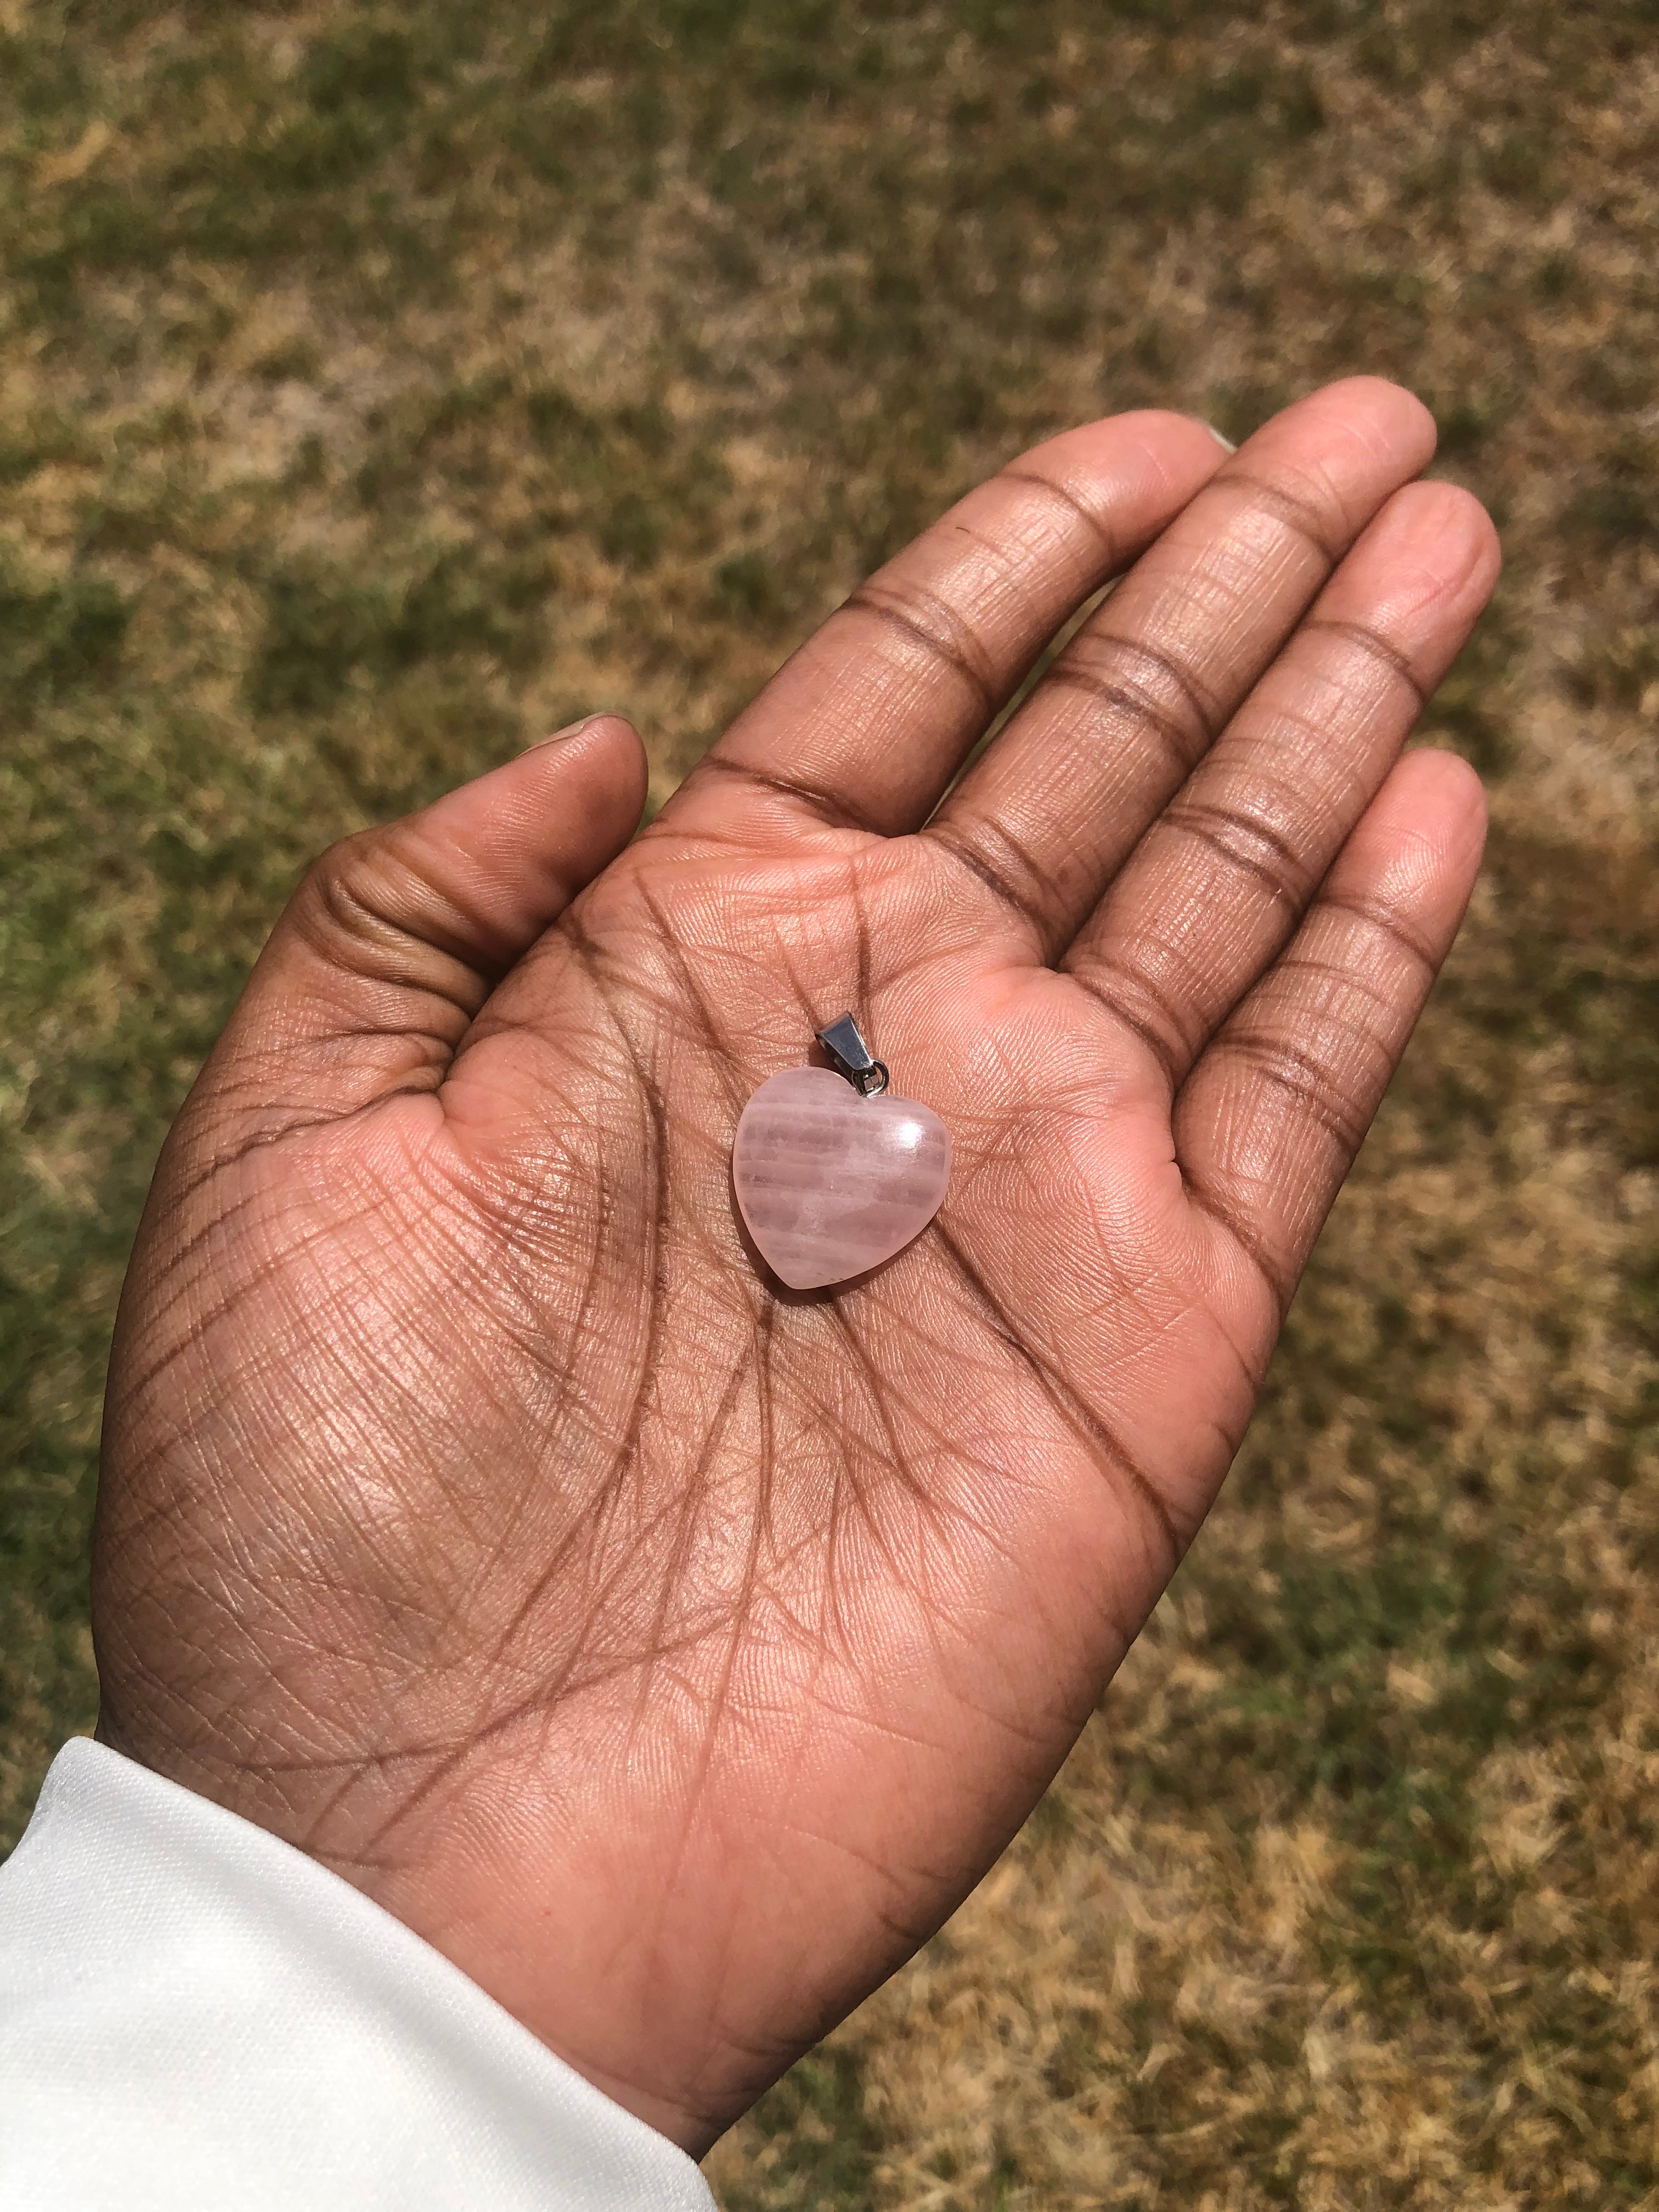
830 1183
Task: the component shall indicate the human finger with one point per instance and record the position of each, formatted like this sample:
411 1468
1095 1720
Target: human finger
1043 821
1269 1121
865 725
396 935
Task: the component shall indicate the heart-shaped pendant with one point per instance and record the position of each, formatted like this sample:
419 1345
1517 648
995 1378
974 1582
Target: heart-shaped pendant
835 1176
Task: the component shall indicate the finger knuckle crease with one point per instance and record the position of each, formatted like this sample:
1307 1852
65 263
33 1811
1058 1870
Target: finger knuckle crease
1237 1225
1376 647
1130 995
1248 842
982 852
350 896
926 620
830 808
1299 515
1308 1082
1387 924
1115 649
1092 523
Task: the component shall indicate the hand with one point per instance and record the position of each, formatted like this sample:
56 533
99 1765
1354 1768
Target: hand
673 1651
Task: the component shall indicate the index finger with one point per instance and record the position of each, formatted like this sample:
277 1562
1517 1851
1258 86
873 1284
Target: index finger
866 726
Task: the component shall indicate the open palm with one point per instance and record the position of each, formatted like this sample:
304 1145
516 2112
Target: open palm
671 1650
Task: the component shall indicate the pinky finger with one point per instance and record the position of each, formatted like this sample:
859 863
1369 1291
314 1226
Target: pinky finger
1269 1123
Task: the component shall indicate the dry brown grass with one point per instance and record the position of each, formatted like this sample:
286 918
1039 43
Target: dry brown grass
378 386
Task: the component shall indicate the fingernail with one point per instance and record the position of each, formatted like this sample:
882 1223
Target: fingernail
558 737
1225 444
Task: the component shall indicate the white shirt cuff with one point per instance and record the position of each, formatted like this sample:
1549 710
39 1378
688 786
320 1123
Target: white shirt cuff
193 2012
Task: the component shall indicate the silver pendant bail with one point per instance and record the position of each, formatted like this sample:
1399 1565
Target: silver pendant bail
849 1055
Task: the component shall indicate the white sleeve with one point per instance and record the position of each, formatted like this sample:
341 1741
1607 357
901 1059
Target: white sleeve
195 2013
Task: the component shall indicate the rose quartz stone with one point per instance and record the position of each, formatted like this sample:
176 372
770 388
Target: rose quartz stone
831 1184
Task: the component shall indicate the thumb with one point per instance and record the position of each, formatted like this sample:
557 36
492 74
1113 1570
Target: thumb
396 936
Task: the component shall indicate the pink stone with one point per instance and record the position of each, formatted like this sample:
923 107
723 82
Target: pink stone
831 1184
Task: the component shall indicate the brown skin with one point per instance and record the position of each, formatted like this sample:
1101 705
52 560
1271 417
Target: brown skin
672 1651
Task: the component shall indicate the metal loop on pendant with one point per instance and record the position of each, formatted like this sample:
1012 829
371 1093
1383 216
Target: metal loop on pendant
849 1055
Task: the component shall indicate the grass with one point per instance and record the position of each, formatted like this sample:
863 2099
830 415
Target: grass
378 388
